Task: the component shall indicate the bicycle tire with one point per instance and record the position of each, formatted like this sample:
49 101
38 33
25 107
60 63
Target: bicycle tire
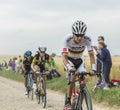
38 97
32 94
38 91
29 85
44 95
85 102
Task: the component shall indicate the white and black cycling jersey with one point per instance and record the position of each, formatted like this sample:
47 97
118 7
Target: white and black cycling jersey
75 50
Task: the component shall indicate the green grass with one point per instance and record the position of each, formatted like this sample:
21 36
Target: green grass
57 84
111 97
13 76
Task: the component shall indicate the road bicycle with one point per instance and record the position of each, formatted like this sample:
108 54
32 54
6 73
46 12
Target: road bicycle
41 88
30 85
81 101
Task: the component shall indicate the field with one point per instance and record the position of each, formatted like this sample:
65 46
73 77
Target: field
115 71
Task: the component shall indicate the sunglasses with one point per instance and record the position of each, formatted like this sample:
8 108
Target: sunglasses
79 35
99 39
42 52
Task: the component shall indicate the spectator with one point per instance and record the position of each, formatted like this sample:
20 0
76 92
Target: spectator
0 67
51 66
16 65
4 64
99 66
20 64
105 57
13 64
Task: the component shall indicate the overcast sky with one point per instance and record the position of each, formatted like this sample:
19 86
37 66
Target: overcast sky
26 24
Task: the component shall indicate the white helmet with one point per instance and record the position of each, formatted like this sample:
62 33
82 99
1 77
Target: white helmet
42 49
79 28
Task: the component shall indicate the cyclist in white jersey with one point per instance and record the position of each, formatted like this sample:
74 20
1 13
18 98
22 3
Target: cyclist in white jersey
72 54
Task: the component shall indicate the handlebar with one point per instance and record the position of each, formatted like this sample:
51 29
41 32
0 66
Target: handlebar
41 73
81 73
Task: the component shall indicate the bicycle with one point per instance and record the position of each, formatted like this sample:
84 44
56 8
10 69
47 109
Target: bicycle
82 101
30 85
41 88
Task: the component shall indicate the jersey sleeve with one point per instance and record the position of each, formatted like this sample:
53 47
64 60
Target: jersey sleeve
65 42
24 60
47 57
34 59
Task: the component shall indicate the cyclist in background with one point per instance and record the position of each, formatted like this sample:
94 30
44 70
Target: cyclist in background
72 54
26 66
51 67
39 59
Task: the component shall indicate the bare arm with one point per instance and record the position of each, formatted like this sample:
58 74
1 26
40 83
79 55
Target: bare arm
23 67
92 60
32 67
65 61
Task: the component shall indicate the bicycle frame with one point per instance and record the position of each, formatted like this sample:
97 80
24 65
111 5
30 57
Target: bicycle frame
41 88
82 91
29 79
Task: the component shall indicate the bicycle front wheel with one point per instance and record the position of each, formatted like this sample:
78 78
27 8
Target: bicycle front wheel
30 88
84 100
44 95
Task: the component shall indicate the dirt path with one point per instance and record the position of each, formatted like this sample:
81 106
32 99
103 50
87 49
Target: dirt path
12 98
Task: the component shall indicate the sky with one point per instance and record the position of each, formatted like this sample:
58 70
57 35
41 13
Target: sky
27 24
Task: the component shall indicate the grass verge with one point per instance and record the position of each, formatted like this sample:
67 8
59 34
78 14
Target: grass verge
111 97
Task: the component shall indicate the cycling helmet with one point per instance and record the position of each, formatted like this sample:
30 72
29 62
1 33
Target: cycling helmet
79 28
28 53
42 49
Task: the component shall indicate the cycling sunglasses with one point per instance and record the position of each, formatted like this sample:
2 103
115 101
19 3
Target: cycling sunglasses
99 39
42 51
79 35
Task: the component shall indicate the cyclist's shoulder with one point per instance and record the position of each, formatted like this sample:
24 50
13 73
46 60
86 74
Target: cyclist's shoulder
47 56
87 38
24 60
32 57
35 57
68 37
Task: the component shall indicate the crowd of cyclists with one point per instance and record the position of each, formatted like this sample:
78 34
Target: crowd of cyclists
40 61
73 60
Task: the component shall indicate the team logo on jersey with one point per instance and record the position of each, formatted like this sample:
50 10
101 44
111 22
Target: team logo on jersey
65 50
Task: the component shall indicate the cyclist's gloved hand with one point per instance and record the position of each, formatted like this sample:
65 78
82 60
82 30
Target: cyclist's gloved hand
24 72
72 70
69 66
93 71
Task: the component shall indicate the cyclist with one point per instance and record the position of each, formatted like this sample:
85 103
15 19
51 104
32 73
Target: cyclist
39 59
26 66
72 54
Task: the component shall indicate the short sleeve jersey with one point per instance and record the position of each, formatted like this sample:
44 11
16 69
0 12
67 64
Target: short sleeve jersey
76 50
27 64
40 60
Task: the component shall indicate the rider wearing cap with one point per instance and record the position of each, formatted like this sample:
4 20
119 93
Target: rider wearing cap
72 54
26 66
